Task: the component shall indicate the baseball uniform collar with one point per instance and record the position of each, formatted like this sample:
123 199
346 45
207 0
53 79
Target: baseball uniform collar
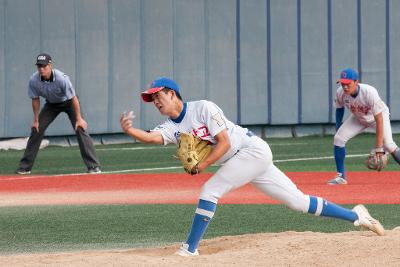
52 77
182 115
357 92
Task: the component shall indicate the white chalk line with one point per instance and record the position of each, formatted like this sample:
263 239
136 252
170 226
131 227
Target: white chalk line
162 168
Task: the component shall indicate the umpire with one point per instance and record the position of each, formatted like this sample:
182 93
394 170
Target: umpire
56 88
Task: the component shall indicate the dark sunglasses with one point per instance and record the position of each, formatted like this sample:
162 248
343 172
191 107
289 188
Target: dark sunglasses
40 66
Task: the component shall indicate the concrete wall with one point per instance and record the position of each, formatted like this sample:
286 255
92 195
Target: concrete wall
264 62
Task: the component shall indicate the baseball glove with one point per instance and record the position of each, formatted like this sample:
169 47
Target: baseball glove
377 159
191 151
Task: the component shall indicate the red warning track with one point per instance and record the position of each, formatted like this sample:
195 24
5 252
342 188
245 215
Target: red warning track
171 188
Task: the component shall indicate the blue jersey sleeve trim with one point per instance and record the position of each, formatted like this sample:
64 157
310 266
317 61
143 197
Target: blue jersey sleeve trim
339 117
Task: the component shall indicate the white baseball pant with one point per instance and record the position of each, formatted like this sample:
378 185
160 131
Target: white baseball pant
253 164
352 127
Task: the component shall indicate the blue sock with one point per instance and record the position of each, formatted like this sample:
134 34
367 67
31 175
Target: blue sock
321 207
204 213
340 154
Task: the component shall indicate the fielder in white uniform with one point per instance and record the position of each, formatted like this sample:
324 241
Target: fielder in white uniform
246 159
367 111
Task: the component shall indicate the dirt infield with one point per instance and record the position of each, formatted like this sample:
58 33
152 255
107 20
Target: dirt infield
283 249
276 249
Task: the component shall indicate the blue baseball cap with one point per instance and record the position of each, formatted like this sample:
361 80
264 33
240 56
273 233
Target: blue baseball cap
157 85
348 75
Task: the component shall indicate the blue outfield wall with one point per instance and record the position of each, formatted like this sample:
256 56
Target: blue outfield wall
264 62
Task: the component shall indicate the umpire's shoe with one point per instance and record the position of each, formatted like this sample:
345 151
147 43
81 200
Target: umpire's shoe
22 171
184 251
365 220
94 170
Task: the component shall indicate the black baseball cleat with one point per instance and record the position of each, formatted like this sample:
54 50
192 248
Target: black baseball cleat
94 170
22 171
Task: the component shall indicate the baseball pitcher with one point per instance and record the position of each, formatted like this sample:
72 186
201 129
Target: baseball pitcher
246 159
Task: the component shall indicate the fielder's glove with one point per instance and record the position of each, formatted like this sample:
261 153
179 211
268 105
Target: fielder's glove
377 159
191 151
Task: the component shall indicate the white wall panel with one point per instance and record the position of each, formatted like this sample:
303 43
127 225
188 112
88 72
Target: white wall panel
284 71
394 26
253 62
22 43
314 62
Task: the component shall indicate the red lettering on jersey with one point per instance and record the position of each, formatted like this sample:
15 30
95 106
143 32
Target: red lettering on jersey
201 132
359 109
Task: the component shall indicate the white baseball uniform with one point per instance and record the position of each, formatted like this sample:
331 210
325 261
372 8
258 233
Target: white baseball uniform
249 159
363 107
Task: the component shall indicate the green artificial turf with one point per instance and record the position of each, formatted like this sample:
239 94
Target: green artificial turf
60 160
63 228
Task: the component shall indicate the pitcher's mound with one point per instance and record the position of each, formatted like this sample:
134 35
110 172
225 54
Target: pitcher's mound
269 249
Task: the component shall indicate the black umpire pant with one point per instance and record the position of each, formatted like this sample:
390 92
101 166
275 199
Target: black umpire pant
47 115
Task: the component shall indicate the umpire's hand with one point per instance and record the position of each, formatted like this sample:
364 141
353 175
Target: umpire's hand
35 125
81 123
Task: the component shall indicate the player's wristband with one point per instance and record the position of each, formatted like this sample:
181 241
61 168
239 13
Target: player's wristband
379 150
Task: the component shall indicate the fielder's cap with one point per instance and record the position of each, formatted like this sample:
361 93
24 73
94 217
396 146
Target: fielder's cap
348 75
43 59
157 85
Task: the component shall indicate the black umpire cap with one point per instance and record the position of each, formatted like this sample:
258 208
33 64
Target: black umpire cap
43 59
